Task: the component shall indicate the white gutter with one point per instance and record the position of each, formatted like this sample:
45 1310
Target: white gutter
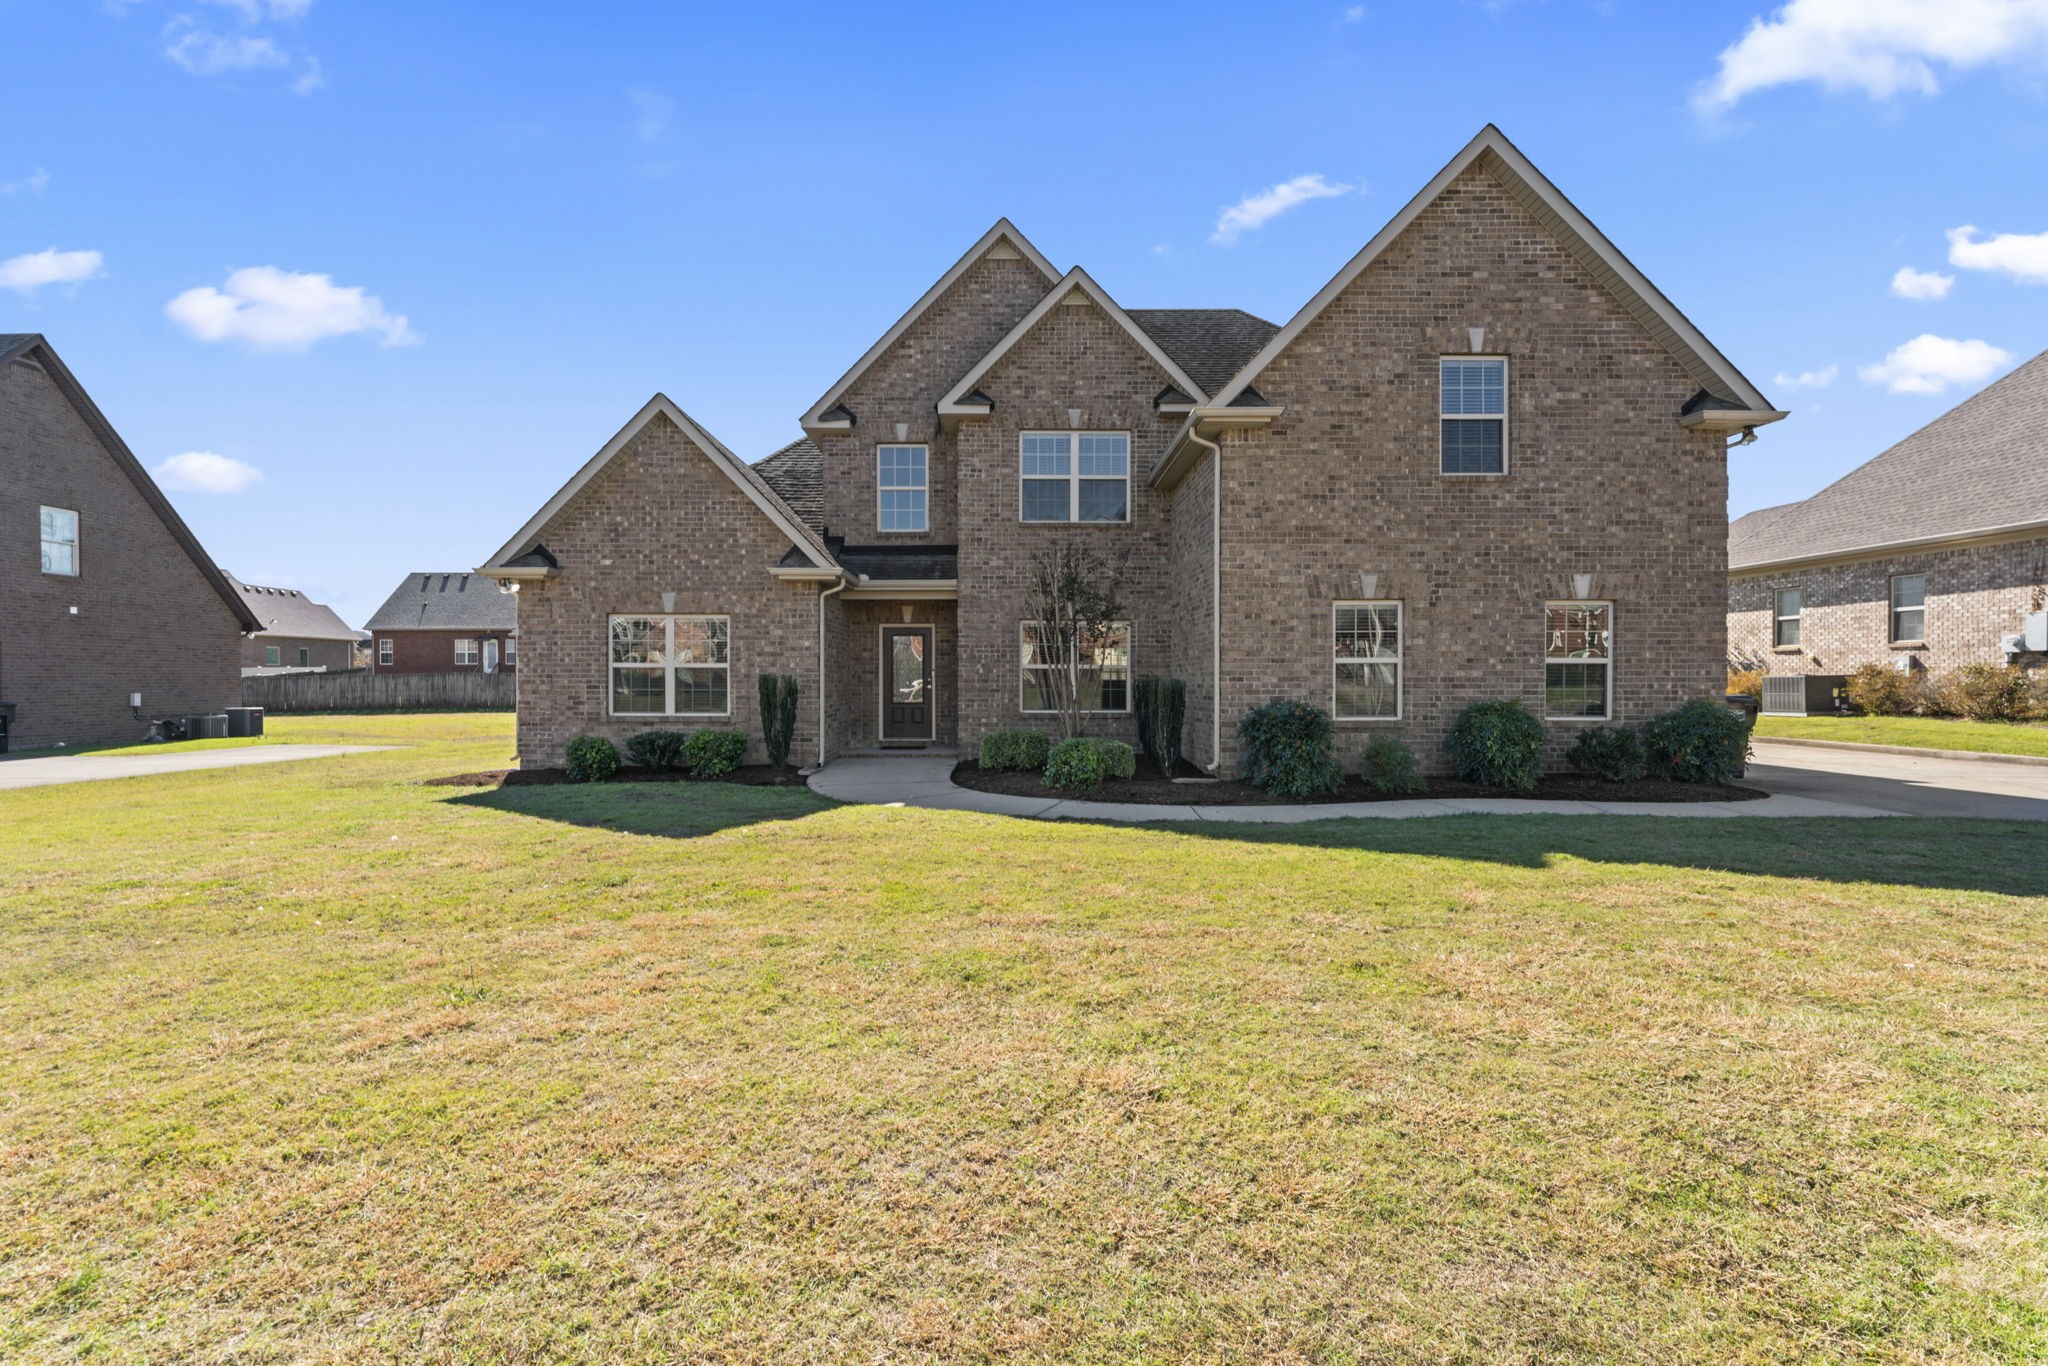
821 665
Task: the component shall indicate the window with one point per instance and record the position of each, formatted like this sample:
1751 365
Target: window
1100 669
1474 415
1368 661
384 653
1785 604
1909 607
465 652
671 666
272 656
305 656
900 488
1074 477
511 649
60 541
1578 661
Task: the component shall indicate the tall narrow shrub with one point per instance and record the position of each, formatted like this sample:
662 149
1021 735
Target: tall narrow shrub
1162 707
778 694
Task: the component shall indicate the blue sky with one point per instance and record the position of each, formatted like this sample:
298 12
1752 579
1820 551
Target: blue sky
529 217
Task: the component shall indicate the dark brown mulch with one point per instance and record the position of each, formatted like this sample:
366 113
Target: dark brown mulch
1151 788
749 775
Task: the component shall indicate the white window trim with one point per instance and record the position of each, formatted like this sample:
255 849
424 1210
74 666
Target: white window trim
924 529
1892 609
273 656
384 655
469 656
1398 660
511 654
1779 618
77 541
1607 665
1507 403
668 680
1074 478
1130 668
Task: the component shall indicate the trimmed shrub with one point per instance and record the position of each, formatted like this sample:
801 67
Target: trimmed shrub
715 753
1983 692
1162 707
1746 683
1023 750
1881 690
660 750
1289 749
1119 760
1613 754
1075 764
778 694
1700 742
1498 744
2037 695
1390 766
592 759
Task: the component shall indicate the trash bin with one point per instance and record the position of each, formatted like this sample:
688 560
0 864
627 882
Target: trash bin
245 721
1743 705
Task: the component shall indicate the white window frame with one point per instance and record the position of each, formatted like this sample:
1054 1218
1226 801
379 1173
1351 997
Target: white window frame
1129 667
1606 665
1891 621
511 655
384 652
667 664
1395 659
465 656
924 522
1074 479
1507 390
44 542
1779 616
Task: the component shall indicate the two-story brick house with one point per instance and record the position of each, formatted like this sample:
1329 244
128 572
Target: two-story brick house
1486 460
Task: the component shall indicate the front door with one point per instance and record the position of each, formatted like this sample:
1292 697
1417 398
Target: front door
490 656
907 683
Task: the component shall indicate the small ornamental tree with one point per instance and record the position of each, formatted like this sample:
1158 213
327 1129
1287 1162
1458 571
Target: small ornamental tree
1073 607
778 715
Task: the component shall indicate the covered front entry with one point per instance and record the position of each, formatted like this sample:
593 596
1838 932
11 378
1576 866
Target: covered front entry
909 713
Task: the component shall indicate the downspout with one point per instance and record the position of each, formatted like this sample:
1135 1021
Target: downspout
838 586
1215 598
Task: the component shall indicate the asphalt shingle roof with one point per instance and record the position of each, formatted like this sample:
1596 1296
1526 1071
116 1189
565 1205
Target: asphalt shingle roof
886 561
797 474
1211 344
288 612
446 602
1981 465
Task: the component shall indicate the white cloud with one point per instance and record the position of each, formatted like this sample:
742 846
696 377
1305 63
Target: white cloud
310 79
32 183
1809 379
2020 255
1353 13
1256 210
654 114
27 274
205 472
1921 284
1929 365
269 309
210 54
1880 47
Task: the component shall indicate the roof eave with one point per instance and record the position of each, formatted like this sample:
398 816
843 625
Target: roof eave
1729 420
1893 547
1180 452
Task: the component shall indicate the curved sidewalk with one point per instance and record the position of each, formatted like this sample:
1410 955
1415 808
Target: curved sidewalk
928 783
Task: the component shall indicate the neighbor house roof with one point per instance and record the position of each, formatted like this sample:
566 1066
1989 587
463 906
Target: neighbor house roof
1211 344
797 474
1979 469
32 348
454 601
288 612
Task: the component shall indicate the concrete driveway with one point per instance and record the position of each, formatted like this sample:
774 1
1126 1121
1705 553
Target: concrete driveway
48 770
1908 785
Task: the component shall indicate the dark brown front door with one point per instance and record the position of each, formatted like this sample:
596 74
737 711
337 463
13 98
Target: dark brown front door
906 682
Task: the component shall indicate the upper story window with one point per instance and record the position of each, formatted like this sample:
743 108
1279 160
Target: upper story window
465 652
901 489
1909 607
384 653
60 541
671 666
1074 476
1367 686
1578 660
1785 607
1474 411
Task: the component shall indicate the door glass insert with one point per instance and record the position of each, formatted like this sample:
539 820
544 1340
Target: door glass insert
906 668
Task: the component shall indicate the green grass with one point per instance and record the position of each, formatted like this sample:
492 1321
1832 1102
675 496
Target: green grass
1919 732
314 1062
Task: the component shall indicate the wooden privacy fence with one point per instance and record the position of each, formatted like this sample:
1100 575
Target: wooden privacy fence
361 690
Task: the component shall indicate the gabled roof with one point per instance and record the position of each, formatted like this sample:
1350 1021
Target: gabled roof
964 400
288 612
1003 235
1980 469
1505 162
33 348
742 475
797 474
1211 344
455 600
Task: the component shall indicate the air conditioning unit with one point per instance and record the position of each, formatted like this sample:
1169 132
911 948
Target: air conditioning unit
1805 694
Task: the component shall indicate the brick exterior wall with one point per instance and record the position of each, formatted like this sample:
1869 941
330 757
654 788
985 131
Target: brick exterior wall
1976 595
856 673
320 654
147 619
1192 606
433 652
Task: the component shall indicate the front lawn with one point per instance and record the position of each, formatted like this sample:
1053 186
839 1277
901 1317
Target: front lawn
1918 732
315 1061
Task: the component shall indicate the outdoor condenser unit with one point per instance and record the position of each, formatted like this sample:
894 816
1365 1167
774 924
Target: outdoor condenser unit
1805 694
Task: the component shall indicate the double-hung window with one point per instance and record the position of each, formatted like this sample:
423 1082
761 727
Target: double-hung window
465 652
1097 667
1785 607
272 656
305 656
671 666
511 650
1367 641
1074 476
1909 607
384 653
60 541
1474 414
901 489
1578 660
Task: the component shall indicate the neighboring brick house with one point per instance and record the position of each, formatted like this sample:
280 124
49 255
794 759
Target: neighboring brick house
104 592
298 634
445 623
1486 460
1932 555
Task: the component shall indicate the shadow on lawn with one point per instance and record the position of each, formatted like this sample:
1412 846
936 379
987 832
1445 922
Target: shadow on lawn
673 810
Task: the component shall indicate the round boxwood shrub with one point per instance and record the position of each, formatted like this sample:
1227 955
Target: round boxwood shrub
1119 760
1700 742
660 750
1289 749
1498 744
592 759
1076 764
715 753
1022 750
1390 766
1613 754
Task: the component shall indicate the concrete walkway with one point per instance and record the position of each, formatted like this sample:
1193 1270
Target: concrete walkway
49 770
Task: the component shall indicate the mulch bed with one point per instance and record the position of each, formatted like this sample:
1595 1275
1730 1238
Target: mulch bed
1150 787
748 775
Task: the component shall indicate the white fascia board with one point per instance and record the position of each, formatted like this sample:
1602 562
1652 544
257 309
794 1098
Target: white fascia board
928 590
1729 419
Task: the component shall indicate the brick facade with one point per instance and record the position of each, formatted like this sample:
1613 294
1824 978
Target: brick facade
333 655
433 652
